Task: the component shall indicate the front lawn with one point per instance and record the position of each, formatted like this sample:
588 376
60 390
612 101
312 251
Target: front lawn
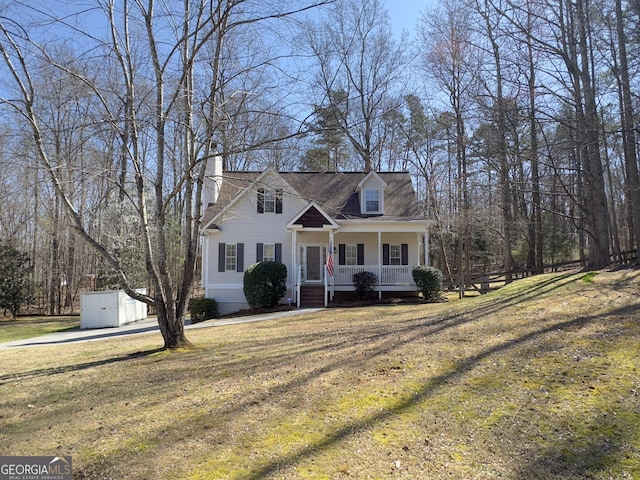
28 327
539 380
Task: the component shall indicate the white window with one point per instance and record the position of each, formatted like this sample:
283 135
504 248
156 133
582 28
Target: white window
372 200
269 201
231 257
269 252
351 254
395 255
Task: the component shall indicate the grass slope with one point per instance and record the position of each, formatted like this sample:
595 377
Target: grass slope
540 380
28 327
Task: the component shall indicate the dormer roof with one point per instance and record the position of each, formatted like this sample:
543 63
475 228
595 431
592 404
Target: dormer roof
337 194
371 176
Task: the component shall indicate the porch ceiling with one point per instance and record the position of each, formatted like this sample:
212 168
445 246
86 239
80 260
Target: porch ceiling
368 226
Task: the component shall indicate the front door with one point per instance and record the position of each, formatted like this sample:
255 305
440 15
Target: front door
313 262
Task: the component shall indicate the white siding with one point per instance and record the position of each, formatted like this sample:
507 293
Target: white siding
242 224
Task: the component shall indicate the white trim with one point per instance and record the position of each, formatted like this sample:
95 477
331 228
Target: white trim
292 226
372 173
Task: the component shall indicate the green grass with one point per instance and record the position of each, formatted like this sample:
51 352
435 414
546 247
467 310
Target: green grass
28 327
589 277
540 380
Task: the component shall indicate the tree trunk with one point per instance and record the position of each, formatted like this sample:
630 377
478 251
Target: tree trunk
503 164
628 132
171 327
597 211
533 153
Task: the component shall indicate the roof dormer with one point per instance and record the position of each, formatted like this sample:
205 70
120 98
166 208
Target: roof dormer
371 191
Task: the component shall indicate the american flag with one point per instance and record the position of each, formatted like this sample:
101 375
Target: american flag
330 258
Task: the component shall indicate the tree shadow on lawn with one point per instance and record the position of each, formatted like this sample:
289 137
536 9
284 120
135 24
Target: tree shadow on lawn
45 372
567 459
414 330
421 327
597 459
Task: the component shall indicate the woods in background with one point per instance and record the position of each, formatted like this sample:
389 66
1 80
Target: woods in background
518 120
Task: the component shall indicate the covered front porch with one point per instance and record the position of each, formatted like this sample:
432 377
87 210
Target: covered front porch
326 258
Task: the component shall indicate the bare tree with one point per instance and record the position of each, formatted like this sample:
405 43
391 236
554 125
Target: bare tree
165 140
629 124
358 68
450 60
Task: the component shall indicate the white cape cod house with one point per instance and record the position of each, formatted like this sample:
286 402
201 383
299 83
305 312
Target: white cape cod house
323 226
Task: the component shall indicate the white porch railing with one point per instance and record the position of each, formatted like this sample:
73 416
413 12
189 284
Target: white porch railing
386 274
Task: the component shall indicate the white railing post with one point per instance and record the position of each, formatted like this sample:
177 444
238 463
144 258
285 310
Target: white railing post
326 286
298 282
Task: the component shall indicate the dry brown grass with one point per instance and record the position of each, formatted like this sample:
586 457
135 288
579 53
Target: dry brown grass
539 380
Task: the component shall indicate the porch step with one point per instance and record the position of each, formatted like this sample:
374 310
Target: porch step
312 296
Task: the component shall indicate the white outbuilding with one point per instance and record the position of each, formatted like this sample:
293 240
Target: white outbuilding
110 308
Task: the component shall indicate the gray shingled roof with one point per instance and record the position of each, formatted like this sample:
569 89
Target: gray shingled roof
334 192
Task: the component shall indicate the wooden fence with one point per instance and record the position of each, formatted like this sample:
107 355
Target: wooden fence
485 282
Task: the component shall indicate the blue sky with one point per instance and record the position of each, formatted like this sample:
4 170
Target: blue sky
404 14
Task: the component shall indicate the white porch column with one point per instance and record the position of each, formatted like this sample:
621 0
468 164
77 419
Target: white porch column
332 283
294 266
426 246
379 264
204 245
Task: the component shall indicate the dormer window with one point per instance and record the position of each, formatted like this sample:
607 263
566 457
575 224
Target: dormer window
372 200
371 193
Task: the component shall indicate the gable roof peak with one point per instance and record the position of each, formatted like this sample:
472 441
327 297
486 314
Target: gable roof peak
369 175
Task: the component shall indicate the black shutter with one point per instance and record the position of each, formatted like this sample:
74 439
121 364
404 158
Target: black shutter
404 252
279 252
278 200
240 257
385 254
361 254
259 252
222 253
261 200
341 254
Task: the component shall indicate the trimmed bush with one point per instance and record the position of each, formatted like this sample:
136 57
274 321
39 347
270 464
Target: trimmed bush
265 283
428 280
202 309
364 283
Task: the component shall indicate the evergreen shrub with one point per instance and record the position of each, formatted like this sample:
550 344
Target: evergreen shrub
364 283
428 280
265 283
202 309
